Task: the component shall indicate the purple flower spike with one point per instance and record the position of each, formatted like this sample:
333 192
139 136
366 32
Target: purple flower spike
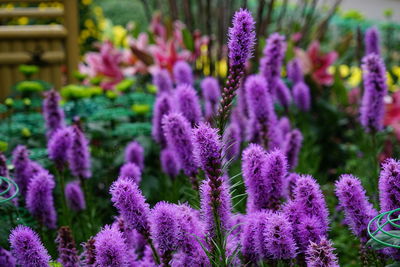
162 107
58 146
375 89
111 250
249 238
134 153
75 197
6 259
22 171
372 41
169 163
53 114
68 254
301 96
212 94
183 73
321 254
271 62
284 126
178 134
132 171
354 202
162 80
131 204
292 146
309 228
78 154
389 189
27 248
283 94
294 71
188 103
231 141
290 185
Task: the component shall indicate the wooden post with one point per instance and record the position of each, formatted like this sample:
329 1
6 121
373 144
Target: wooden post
71 18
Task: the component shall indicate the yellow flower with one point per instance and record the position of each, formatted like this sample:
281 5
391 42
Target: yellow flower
23 20
222 68
331 70
86 2
89 24
355 77
119 34
344 71
390 82
396 71
98 11
140 108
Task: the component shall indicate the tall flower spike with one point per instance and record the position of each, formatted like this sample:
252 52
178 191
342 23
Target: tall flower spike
283 94
271 62
131 204
290 185
162 80
372 41
88 256
132 171
284 126
74 196
162 107
178 134
211 94
39 199
389 187
292 146
134 153
27 248
53 114
294 71
21 164
187 103
240 45
249 239
67 252
321 254
78 154
169 163
375 89
354 202
183 73
231 141
308 229
58 146
6 259
301 96
111 250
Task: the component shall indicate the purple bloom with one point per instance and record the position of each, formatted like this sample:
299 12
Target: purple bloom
39 199
75 197
183 73
249 238
162 80
68 254
178 134
111 250
88 256
134 153
22 172
187 103
6 259
294 71
389 185
292 147
58 146
308 229
133 239
231 141
242 38
169 163
354 202
290 185
283 93
78 154
301 96
321 254
131 204
372 41
162 106
271 62
375 89
284 126
132 171
212 94
27 248
53 114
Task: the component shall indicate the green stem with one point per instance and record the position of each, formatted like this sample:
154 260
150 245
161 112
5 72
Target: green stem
153 249
375 166
88 204
61 178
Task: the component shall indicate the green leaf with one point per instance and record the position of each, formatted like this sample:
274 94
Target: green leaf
188 39
395 241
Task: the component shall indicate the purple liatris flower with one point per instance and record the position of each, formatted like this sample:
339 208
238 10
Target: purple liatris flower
131 204
183 73
58 146
88 256
250 238
284 126
294 71
308 229
271 62
290 185
231 141
187 103
6 259
78 154
389 185
372 41
39 199
132 171
27 248
111 250
22 173
53 114
162 80
211 94
169 162
134 153
301 96
292 146
354 202
74 196
375 89
68 254
321 254
162 107
178 134
283 93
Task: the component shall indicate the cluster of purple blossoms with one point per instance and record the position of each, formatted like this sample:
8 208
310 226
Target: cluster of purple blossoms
183 73
53 114
58 146
372 41
211 94
162 80
68 254
162 107
134 153
75 196
79 155
187 103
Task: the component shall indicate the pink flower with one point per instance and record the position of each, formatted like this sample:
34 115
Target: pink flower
392 114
